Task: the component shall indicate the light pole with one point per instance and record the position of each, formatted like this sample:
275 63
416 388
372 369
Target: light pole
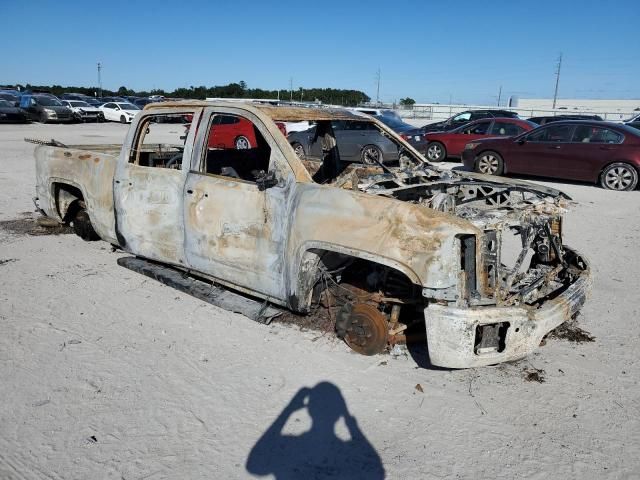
555 93
100 79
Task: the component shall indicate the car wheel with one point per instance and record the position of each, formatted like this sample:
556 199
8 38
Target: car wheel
82 226
436 152
42 118
371 155
299 149
242 143
490 163
123 119
619 176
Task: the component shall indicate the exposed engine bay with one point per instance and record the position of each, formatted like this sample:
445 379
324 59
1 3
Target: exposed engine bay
519 259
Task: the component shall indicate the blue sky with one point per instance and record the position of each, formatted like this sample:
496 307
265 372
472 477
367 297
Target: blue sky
428 50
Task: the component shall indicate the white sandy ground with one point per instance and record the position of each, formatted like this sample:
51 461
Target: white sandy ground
171 387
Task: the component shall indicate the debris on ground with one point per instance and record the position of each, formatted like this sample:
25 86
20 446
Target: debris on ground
532 374
418 387
29 224
572 332
399 350
4 261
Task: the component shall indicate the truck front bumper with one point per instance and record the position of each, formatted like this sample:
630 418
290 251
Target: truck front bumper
452 331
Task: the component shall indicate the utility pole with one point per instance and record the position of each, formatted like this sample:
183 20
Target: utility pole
499 95
378 87
100 79
301 94
291 89
555 94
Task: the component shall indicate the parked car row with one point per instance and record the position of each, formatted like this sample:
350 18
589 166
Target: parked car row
593 151
19 107
492 142
573 147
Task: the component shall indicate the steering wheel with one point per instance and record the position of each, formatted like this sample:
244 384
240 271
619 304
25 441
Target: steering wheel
177 158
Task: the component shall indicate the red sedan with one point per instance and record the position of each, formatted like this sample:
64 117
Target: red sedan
451 144
229 131
602 152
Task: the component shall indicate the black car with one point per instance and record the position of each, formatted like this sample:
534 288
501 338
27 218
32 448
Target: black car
141 102
92 101
557 118
104 100
463 118
45 108
633 122
14 100
11 114
72 96
414 135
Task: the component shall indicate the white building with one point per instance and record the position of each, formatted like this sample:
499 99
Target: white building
611 109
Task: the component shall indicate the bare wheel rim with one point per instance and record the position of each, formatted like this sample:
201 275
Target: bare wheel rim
619 178
488 164
242 143
371 155
299 151
434 152
367 333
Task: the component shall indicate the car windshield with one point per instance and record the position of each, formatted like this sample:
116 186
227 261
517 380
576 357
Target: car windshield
128 106
4 104
48 102
78 103
392 122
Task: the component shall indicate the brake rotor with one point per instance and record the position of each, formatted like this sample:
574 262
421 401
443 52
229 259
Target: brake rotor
367 331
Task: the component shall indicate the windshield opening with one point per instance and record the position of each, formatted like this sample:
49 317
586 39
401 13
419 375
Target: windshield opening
48 102
338 152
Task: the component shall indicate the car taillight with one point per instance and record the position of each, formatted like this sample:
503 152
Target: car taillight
404 137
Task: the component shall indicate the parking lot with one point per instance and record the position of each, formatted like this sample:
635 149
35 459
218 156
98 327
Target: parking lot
108 374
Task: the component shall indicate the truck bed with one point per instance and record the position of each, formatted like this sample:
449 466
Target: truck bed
63 173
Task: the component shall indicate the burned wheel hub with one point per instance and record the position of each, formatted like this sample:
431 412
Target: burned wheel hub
366 331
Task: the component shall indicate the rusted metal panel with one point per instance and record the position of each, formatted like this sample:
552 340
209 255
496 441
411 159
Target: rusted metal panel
417 241
451 331
282 113
90 172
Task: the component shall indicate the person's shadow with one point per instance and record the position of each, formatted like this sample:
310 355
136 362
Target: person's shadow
318 452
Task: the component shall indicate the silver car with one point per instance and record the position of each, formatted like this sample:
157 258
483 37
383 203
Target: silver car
357 142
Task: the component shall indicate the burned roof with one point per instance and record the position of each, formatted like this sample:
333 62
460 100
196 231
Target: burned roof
284 113
294 114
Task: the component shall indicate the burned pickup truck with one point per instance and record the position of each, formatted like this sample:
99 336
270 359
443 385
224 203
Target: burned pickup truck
480 260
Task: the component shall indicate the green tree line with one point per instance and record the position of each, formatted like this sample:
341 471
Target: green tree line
334 96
